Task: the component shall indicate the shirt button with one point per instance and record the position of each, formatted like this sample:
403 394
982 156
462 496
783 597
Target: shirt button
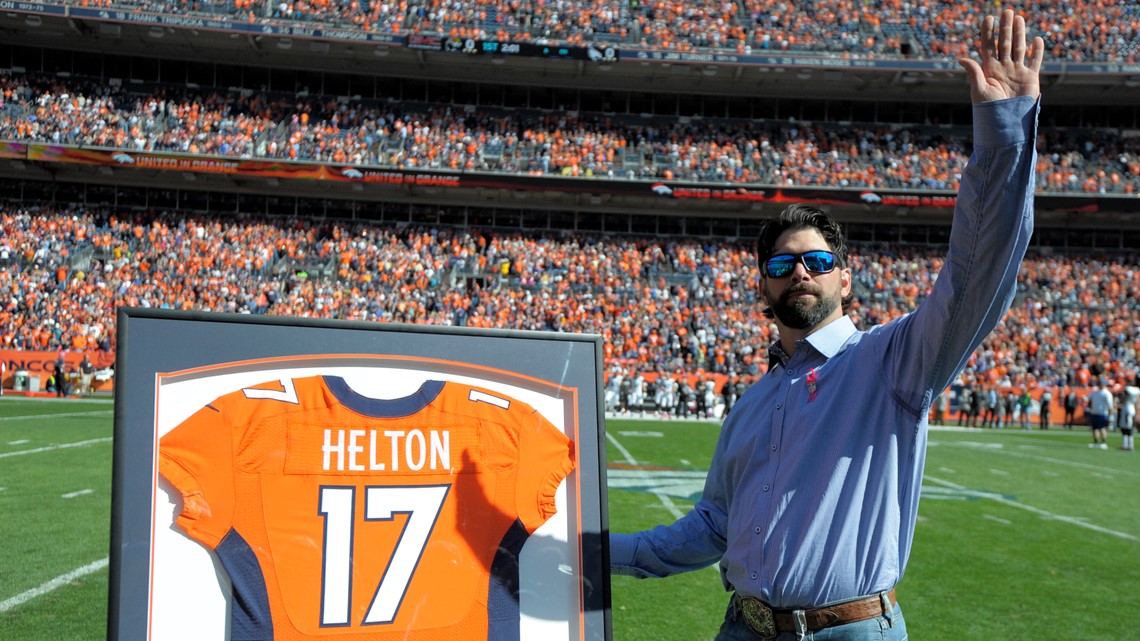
758 529
765 487
753 575
778 405
789 372
773 447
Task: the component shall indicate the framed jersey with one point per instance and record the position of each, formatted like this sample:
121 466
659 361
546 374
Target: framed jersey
321 480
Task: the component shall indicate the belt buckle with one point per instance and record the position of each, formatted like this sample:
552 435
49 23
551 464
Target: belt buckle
758 617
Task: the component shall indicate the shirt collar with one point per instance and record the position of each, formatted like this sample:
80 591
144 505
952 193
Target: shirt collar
827 340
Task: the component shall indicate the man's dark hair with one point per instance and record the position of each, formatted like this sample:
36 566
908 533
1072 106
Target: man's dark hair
796 217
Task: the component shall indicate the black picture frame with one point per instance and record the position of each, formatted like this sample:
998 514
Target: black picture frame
171 362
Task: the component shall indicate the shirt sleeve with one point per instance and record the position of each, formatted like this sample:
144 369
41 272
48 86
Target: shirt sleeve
993 221
197 458
690 543
546 456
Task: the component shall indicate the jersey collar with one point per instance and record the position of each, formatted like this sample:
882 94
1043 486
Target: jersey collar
383 407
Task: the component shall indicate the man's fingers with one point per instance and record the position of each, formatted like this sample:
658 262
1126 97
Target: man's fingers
988 49
973 69
1037 54
1005 37
974 74
1018 40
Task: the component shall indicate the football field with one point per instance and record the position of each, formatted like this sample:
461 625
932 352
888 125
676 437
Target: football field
1022 534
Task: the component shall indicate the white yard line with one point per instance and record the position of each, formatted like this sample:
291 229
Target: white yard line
1080 522
77 573
57 582
77 493
665 500
1036 457
32 417
52 448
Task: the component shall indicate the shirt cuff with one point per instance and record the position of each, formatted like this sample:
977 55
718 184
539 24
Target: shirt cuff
623 551
1005 122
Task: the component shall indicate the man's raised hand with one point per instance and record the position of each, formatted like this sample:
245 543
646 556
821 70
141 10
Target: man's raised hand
1008 68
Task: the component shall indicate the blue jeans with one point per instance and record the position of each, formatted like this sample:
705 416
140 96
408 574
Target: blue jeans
879 628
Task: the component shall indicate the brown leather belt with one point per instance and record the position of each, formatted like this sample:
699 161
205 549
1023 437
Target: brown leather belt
766 622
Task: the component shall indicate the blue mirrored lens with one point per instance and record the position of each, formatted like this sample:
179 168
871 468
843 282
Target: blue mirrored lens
780 266
819 261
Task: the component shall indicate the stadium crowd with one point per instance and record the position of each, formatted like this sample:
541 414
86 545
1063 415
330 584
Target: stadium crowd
449 136
681 308
1080 31
685 308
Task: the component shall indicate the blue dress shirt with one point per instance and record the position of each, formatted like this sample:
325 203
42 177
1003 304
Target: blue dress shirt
813 490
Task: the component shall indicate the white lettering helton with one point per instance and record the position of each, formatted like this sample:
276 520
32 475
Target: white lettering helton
412 450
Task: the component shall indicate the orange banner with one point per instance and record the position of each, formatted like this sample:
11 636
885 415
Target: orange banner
41 365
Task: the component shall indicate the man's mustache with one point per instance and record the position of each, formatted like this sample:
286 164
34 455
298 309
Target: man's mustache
814 290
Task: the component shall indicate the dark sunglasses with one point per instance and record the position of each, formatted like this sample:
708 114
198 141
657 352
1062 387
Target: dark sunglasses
817 262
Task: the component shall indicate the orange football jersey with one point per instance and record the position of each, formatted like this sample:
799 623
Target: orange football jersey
338 516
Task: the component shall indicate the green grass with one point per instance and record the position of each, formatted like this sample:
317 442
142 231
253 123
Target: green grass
56 507
1019 534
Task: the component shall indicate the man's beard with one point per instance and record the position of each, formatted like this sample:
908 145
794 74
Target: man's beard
804 311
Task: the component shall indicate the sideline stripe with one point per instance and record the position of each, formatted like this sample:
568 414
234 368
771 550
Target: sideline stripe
52 448
1036 510
665 500
30 417
57 582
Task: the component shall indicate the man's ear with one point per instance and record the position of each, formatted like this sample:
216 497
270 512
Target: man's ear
845 281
